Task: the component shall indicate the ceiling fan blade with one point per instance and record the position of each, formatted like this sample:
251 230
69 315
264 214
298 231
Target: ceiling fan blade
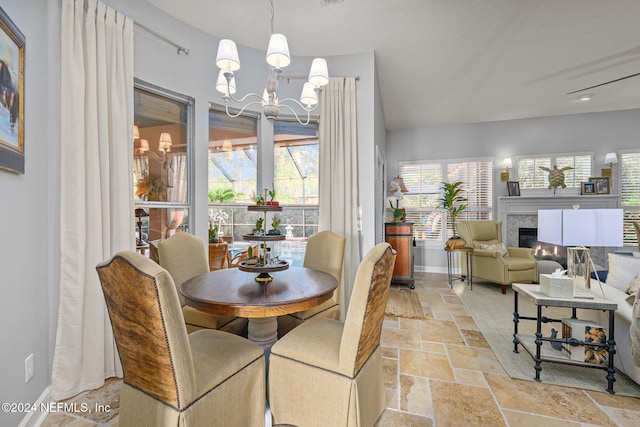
606 83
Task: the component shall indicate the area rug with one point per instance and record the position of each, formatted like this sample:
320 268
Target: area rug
493 313
404 303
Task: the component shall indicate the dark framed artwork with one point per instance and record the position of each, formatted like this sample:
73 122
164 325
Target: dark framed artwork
589 188
602 184
12 45
513 188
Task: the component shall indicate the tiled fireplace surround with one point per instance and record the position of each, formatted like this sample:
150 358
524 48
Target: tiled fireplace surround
522 212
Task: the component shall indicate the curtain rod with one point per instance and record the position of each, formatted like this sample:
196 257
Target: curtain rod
281 77
161 37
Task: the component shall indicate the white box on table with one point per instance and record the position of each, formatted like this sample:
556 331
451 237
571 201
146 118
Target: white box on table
561 286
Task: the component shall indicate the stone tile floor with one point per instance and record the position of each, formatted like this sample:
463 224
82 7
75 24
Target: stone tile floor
441 372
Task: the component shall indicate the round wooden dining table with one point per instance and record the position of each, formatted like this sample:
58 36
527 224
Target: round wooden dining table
231 292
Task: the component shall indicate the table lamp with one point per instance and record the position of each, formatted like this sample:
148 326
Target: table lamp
577 229
140 213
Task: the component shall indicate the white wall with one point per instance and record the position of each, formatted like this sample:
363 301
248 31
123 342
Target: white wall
29 214
597 132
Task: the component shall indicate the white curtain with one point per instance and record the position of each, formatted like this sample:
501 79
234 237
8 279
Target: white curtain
177 192
96 205
339 174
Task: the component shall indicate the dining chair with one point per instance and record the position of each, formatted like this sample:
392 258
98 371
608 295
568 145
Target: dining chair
636 227
171 378
183 256
218 256
327 372
324 252
153 250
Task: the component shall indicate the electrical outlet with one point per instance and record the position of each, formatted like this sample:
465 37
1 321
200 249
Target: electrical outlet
28 368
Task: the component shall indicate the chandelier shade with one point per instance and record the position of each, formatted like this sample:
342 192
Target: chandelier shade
223 87
319 73
227 58
278 51
165 142
144 145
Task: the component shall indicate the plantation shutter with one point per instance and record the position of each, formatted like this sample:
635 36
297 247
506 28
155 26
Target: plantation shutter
581 169
630 194
529 173
477 181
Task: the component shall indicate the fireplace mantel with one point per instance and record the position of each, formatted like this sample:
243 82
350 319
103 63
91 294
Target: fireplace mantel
529 205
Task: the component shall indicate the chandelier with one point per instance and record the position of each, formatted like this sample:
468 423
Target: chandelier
164 146
278 58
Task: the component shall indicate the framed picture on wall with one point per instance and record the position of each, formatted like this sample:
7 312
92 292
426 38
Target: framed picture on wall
513 188
12 43
589 188
602 184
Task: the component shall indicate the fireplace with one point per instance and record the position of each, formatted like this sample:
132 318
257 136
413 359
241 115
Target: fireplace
528 238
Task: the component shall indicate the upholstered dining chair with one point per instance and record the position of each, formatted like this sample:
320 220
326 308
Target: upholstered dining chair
324 252
636 227
492 260
327 372
218 256
171 378
183 256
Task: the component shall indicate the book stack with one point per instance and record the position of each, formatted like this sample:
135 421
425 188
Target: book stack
586 331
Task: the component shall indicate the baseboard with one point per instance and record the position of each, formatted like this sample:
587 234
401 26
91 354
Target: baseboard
37 417
427 269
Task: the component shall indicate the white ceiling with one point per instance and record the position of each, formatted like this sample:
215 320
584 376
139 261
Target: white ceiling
455 61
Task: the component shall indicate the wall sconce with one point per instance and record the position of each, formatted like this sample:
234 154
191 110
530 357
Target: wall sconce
507 163
610 159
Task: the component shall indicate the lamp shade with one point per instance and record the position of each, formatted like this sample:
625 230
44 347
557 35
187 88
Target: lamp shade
278 51
309 96
319 73
144 145
227 58
610 158
507 163
581 227
165 142
223 87
136 132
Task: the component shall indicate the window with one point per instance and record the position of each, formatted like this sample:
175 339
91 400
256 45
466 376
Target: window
296 176
630 193
233 170
530 174
424 179
161 178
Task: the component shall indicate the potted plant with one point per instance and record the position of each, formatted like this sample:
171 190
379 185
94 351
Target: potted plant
272 196
216 219
275 223
452 201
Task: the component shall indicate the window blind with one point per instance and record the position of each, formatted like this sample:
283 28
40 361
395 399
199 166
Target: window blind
630 193
531 176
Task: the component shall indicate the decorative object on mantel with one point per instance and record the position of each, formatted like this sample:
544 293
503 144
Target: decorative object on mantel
602 184
453 202
588 188
513 188
609 159
556 176
507 163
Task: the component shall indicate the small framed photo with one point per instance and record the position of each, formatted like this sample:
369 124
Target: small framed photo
12 43
513 187
602 184
588 188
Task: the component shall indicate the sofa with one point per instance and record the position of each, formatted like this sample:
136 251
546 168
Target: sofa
623 271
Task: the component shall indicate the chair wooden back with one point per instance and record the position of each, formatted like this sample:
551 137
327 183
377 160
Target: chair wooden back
183 256
148 327
218 256
363 323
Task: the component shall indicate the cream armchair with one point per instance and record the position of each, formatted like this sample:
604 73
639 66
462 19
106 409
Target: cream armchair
493 262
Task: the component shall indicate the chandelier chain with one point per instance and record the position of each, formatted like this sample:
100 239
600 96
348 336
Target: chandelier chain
272 15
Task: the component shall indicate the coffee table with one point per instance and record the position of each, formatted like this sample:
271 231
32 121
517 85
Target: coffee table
533 345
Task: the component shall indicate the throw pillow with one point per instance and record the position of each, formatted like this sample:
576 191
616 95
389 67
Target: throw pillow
497 247
622 270
633 288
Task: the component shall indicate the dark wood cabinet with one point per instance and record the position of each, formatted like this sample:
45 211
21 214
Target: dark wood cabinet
400 236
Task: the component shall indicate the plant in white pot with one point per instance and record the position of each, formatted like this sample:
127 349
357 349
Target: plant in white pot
453 201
